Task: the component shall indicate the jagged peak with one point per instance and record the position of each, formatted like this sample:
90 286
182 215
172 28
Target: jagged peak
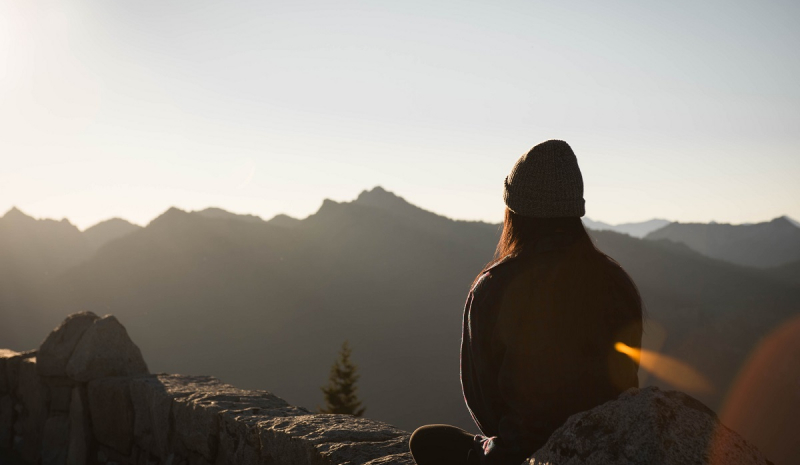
16 213
791 220
283 220
380 197
219 213
113 222
170 214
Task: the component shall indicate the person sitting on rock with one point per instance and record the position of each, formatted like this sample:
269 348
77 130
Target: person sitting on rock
540 323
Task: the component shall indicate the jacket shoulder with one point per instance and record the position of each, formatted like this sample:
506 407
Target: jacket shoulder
493 274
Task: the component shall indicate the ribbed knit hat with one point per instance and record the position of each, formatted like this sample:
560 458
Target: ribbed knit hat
546 183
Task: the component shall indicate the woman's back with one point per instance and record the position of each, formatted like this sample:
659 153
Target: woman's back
540 323
539 336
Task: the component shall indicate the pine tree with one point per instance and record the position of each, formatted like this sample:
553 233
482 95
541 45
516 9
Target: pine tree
340 393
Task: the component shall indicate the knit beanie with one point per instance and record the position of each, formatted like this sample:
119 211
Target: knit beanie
546 183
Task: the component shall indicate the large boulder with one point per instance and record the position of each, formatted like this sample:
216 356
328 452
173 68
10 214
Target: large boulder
6 384
31 392
59 345
55 440
79 429
111 412
6 421
647 426
105 350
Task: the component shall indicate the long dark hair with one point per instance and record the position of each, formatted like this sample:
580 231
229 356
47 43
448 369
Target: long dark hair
584 261
521 233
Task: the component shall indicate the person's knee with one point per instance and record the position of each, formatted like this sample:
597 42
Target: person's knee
421 437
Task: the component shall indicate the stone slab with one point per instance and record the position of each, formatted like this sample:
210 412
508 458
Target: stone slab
105 350
111 413
6 421
55 351
79 428
5 383
55 440
32 394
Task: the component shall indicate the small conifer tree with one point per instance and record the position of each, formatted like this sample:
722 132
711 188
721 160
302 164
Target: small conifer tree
340 393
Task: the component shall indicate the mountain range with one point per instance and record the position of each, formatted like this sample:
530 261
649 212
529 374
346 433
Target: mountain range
267 304
640 229
762 245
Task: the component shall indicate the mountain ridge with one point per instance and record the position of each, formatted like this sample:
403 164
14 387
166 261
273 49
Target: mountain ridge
760 245
262 305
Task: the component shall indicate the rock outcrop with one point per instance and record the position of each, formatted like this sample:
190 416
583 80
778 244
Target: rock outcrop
105 349
58 347
647 426
86 397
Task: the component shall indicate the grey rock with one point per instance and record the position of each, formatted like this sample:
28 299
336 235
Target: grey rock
55 440
6 421
12 362
55 351
397 459
152 403
105 350
111 412
32 394
202 406
308 438
350 452
78 449
197 425
646 426
5 382
240 441
60 397
211 419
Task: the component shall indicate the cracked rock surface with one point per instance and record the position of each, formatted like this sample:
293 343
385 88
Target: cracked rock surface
647 426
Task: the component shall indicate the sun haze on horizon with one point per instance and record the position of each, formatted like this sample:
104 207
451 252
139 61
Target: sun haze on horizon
675 110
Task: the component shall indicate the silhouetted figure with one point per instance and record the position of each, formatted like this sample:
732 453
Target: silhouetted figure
540 323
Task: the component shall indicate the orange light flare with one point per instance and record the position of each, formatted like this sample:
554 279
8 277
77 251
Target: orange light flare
675 372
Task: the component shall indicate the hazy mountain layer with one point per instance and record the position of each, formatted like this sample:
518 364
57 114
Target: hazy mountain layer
760 245
106 231
639 229
268 305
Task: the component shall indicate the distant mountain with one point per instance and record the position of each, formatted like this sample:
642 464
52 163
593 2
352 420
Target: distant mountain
34 249
793 221
596 225
466 232
32 253
284 221
639 230
106 231
220 214
760 245
265 306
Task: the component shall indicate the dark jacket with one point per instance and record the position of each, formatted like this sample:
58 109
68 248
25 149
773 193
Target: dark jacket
538 344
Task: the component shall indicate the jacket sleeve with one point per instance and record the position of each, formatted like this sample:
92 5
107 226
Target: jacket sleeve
523 355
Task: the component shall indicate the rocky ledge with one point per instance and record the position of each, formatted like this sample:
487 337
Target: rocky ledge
87 397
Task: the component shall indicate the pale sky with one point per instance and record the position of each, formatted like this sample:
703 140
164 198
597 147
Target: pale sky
682 110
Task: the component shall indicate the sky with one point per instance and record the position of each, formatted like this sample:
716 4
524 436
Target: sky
683 110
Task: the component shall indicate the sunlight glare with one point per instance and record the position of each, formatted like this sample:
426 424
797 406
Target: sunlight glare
668 369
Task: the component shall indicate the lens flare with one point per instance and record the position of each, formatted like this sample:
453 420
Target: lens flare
668 369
